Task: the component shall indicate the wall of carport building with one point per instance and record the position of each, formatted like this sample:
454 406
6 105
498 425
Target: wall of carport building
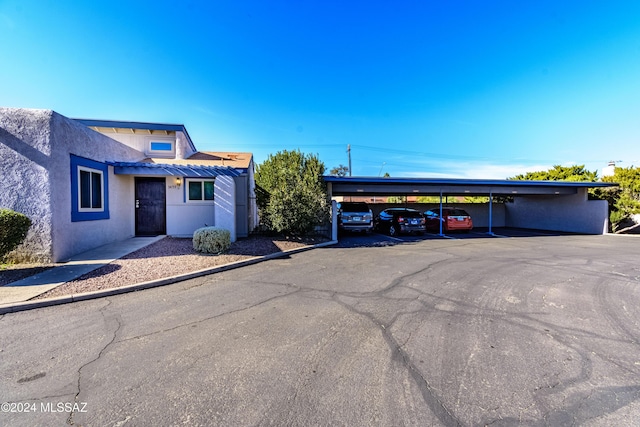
572 213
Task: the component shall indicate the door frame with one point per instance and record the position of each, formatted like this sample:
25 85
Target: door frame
138 179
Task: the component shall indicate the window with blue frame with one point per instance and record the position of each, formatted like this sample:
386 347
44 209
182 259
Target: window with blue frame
89 190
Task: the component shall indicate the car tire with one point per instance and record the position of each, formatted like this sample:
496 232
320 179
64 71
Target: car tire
393 231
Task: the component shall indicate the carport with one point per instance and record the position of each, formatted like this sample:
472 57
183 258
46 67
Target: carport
545 205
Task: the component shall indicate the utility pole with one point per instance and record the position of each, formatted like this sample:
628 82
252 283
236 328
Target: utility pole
349 153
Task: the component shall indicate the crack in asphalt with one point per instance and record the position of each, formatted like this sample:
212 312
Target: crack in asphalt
428 394
107 320
195 322
430 397
399 353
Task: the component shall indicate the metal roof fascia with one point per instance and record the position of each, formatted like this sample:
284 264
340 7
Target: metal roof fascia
131 125
190 171
462 182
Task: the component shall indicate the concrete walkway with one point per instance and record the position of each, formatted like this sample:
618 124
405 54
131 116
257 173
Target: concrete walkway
76 266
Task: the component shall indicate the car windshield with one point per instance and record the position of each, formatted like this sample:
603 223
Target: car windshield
354 207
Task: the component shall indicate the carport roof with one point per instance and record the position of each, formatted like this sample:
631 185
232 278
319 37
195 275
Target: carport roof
356 185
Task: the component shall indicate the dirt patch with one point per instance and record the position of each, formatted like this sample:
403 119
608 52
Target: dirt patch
169 257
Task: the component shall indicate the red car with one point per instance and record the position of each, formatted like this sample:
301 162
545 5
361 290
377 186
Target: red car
452 219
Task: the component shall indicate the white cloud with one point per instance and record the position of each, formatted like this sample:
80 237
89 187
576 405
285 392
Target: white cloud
475 170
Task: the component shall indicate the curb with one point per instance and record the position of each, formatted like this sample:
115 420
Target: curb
29 305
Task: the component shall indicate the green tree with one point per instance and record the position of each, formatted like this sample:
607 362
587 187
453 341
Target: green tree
341 170
397 199
428 199
624 200
291 194
560 173
576 173
476 199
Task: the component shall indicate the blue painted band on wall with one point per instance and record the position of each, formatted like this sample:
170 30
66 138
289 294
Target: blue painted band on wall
76 214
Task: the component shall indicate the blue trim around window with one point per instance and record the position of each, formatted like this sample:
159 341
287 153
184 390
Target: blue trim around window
76 215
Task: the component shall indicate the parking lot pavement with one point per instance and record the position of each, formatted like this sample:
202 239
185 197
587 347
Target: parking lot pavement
536 331
379 239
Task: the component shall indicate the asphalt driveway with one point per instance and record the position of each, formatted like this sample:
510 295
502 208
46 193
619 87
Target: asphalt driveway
540 330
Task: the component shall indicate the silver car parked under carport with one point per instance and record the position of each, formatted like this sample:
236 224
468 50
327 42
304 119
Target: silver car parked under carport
355 216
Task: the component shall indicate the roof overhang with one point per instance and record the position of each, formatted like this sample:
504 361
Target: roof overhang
115 124
186 171
363 186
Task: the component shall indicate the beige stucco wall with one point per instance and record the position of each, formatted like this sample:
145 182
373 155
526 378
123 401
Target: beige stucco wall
69 238
25 158
141 141
35 148
183 217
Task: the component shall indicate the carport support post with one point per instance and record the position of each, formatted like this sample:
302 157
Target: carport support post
440 216
490 213
334 220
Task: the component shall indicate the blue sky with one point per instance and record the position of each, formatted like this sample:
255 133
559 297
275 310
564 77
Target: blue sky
465 89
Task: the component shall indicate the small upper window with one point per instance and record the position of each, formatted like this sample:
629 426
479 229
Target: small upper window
161 146
200 190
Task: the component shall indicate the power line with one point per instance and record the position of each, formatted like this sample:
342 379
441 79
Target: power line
388 150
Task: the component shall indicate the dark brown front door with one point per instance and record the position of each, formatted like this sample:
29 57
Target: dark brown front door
151 215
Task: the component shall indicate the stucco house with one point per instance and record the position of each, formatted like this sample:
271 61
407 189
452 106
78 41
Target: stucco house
87 183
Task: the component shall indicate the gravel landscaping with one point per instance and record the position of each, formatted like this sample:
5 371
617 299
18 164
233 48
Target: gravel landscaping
172 256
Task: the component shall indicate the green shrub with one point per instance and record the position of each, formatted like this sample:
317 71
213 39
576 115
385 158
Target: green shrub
291 194
616 218
13 230
211 240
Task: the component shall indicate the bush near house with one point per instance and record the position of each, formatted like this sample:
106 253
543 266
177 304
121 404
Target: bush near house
625 202
290 192
13 230
211 240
